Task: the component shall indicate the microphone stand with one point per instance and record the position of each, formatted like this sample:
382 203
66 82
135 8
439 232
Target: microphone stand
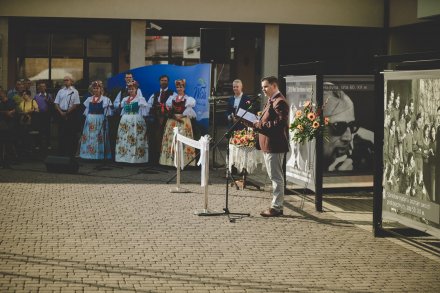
215 145
228 172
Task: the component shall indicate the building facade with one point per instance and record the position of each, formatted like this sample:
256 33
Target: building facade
45 40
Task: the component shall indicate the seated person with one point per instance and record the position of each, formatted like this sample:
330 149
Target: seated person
26 110
7 125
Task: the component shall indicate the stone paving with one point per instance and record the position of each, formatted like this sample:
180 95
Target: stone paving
121 230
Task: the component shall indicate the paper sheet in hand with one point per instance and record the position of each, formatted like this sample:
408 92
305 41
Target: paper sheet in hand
248 116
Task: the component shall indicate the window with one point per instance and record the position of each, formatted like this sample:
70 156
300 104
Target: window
52 56
67 45
99 46
156 47
36 44
100 71
66 66
172 49
34 68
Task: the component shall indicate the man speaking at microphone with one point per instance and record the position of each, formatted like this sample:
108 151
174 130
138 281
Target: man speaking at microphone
273 138
66 102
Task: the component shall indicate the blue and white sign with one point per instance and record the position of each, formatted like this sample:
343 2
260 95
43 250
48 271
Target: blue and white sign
198 84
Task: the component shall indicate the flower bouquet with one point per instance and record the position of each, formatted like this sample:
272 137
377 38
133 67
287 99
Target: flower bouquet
243 138
307 123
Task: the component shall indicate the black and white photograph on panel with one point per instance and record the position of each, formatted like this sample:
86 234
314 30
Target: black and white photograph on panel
300 165
410 152
348 103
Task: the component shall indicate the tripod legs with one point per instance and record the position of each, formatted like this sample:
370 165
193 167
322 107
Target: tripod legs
226 211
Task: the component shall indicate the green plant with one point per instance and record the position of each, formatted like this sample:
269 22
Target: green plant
307 123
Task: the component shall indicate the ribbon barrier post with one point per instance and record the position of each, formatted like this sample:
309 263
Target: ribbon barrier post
203 146
204 161
178 158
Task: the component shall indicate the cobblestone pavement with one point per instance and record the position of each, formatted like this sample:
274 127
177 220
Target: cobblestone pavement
122 230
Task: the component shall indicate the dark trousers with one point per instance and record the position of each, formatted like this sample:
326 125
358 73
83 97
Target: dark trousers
67 137
44 119
155 135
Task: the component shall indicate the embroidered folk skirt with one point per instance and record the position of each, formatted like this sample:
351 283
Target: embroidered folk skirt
166 156
95 139
131 141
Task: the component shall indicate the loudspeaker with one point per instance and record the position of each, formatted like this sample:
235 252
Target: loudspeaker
215 45
58 164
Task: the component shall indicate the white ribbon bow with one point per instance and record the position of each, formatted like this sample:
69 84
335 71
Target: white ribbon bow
204 159
177 145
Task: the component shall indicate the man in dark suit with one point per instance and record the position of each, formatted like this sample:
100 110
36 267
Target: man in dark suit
273 137
237 101
157 119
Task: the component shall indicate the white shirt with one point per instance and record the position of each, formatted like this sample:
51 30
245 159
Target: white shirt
237 101
118 98
67 97
151 98
236 104
144 108
190 103
106 104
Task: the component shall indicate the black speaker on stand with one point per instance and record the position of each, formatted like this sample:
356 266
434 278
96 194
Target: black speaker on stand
215 48
59 164
215 45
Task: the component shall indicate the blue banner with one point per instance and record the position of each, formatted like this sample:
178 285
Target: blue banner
198 84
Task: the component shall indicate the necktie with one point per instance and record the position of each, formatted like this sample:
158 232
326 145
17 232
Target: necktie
162 102
162 97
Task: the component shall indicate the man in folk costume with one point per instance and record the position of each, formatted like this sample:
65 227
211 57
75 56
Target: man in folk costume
157 118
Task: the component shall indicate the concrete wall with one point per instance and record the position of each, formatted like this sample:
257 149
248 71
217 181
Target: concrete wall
271 50
137 43
403 12
428 8
364 13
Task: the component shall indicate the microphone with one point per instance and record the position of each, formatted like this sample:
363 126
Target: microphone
254 100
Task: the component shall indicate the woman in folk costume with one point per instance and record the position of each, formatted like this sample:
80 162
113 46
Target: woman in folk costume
131 141
95 143
181 110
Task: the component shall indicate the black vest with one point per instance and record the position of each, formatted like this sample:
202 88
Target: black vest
156 104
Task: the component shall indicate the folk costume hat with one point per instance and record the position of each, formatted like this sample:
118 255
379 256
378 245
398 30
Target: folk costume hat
180 82
133 83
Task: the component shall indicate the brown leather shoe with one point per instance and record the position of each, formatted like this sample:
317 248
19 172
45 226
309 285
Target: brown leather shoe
271 213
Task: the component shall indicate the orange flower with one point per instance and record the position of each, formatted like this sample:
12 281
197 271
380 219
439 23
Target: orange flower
298 114
306 104
315 124
300 127
311 116
326 120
